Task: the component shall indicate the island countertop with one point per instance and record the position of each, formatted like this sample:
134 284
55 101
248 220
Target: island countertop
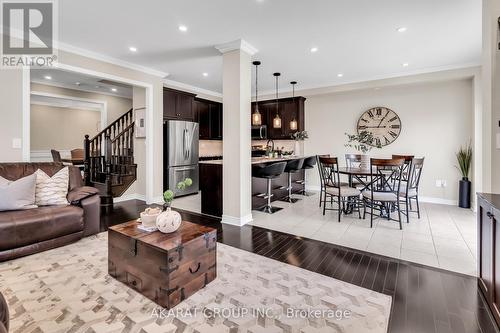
260 160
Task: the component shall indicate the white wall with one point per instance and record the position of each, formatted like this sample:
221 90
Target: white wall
11 124
437 118
61 128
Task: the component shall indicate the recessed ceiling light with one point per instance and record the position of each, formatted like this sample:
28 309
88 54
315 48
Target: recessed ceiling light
314 49
205 74
47 77
402 29
405 64
98 87
133 49
340 74
77 83
183 28
114 89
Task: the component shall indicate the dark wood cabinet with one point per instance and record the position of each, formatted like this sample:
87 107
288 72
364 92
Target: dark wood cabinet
211 188
178 105
288 110
209 115
488 211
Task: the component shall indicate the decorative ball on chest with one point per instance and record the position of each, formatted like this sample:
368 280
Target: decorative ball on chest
168 221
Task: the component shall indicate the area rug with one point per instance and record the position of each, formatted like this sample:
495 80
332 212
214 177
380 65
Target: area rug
68 290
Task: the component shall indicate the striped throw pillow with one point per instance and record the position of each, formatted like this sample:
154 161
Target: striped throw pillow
53 190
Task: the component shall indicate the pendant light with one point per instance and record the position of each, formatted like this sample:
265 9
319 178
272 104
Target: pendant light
256 116
293 123
277 119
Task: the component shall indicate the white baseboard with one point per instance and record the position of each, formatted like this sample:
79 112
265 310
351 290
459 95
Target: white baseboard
440 201
237 221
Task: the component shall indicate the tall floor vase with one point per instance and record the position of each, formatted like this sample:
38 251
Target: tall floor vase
464 190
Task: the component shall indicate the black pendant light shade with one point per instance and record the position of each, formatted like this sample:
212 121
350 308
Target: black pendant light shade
277 119
256 116
293 122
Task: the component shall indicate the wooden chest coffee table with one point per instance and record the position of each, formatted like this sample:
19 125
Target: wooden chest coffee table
166 268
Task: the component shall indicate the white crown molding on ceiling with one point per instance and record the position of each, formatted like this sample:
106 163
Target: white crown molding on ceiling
443 73
98 56
179 85
71 87
239 44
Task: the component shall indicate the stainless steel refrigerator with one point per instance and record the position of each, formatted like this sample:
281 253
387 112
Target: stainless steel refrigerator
180 158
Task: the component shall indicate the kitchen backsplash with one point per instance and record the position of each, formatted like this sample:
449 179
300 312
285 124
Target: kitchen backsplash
210 148
288 145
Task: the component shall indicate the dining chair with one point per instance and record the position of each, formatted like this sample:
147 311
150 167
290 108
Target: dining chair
334 190
77 154
409 190
406 167
56 155
354 161
384 189
322 184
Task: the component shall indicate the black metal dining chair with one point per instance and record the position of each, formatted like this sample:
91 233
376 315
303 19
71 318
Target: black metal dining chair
405 172
384 189
334 191
355 161
409 189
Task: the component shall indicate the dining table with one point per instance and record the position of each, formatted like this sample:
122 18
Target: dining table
361 175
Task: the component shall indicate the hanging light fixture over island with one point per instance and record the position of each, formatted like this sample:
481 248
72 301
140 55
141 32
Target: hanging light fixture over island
256 116
293 122
277 119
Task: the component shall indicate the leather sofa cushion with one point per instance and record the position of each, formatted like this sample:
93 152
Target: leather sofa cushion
81 193
25 227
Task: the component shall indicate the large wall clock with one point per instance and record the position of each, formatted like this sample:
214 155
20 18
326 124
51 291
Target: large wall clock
383 123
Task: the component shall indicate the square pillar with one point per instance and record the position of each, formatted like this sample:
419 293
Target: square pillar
237 168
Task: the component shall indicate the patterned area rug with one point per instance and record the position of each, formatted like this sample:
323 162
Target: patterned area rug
68 290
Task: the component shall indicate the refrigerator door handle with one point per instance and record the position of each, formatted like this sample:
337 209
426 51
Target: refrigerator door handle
185 169
184 143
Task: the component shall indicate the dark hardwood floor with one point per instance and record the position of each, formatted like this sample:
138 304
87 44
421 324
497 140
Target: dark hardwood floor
425 299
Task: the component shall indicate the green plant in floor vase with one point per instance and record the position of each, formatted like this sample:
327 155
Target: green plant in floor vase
168 195
464 159
169 221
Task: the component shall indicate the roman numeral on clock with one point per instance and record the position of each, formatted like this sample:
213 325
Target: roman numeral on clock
393 118
395 126
387 141
394 135
379 112
370 113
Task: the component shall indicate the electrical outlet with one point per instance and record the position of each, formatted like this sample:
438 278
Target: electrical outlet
443 183
438 182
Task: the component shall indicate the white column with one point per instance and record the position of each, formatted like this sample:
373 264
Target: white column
237 172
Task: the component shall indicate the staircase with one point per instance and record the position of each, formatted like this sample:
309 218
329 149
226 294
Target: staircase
109 159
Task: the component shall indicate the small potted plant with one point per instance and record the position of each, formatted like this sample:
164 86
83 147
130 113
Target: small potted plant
299 136
169 221
464 159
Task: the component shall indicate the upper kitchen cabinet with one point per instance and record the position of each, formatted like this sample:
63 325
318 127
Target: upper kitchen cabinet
288 110
178 105
209 115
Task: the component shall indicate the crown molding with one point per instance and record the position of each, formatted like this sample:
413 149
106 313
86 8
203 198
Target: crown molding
184 86
239 44
442 73
71 87
98 56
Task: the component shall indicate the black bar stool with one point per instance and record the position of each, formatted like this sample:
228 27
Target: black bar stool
292 166
309 163
269 172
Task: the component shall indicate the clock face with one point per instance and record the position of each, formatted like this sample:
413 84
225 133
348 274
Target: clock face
383 123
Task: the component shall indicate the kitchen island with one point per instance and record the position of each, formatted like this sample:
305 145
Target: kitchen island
211 184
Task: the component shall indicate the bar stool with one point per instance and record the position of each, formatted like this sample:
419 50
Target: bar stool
309 163
292 166
269 172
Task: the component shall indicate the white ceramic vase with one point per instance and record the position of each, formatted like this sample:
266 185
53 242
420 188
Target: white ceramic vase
297 151
168 221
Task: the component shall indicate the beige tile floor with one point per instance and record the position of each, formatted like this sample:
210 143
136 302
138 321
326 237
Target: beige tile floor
444 236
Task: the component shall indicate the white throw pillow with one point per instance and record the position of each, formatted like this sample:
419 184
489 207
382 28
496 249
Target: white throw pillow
18 194
52 190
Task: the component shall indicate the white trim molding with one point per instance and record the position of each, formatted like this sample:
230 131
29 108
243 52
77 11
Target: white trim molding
237 221
131 196
101 57
239 44
79 88
26 141
179 85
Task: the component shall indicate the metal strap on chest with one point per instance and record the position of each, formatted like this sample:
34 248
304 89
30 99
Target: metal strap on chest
133 247
169 291
169 270
206 236
179 250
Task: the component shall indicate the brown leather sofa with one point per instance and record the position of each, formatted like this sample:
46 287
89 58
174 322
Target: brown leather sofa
25 232
4 315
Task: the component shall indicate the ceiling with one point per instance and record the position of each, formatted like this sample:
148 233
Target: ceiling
356 38
77 81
